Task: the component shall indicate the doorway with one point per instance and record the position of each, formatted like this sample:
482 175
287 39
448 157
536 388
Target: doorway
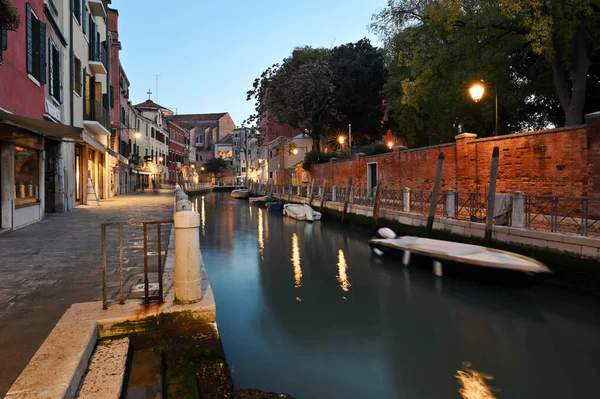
371 177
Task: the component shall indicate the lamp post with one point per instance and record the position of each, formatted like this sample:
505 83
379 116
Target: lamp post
350 138
477 91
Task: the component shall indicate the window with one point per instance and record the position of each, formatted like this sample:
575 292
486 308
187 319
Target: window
270 175
200 139
36 46
146 152
243 169
26 176
55 71
77 10
77 76
146 130
3 39
84 17
152 132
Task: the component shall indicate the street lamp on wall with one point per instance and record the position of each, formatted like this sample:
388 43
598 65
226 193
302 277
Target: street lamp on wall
476 91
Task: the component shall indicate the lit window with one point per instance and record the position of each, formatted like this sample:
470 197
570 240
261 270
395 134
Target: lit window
26 176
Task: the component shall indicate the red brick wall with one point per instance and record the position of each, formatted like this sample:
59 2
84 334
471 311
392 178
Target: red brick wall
562 162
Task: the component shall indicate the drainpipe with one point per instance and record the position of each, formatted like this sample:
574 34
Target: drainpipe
72 55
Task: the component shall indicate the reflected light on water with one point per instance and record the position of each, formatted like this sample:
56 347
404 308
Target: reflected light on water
342 276
261 234
296 261
195 205
474 385
202 217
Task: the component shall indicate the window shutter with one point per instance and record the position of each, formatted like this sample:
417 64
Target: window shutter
60 78
29 40
84 18
77 10
4 34
51 67
43 64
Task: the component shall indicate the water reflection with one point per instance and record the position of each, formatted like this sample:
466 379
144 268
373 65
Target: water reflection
296 261
261 234
474 385
202 217
342 276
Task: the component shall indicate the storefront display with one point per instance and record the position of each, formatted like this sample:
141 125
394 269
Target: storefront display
26 176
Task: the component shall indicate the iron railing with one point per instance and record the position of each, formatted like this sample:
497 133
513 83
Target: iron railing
129 278
96 112
571 215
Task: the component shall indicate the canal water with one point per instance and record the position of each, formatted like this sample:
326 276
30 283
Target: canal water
306 309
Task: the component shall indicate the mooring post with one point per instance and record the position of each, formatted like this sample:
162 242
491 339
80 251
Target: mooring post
290 192
376 205
434 194
489 220
188 280
312 192
323 195
347 197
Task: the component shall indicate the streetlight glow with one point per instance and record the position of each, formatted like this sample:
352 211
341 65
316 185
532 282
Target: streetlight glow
390 144
342 139
476 92
295 151
137 135
202 168
160 159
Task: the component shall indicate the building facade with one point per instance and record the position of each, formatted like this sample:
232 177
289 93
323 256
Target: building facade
246 155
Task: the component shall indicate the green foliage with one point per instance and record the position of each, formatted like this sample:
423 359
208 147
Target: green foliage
314 157
321 91
215 166
436 49
374 149
9 15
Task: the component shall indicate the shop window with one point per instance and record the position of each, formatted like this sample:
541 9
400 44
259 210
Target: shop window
26 176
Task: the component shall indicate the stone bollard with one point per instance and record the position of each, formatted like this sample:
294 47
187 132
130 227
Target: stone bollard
518 209
299 190
188 281
334 194
183 205
406 199
450 197
181 197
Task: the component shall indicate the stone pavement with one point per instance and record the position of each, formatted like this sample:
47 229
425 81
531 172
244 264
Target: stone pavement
46 267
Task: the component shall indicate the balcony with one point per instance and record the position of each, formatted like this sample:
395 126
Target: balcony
99 59
97 119
98 7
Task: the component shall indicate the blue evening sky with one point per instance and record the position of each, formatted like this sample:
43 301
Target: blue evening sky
208 52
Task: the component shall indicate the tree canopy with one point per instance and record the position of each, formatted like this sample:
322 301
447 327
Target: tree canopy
538 56
322 91
215 166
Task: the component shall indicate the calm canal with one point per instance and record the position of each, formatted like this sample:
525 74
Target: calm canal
305 309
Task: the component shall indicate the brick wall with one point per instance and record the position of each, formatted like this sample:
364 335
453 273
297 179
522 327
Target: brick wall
563 162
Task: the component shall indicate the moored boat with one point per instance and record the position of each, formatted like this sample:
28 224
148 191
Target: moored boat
301 212
460 259
258 200
240 192
274 206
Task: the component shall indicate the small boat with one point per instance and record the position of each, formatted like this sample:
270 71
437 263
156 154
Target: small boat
301 212
460 259
255 200
274 206
240 192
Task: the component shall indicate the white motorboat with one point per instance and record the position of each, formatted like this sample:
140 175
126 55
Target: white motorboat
301 212
459 258
240 192
262 199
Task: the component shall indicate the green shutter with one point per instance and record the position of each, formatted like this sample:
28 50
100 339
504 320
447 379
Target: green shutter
60 81
77 10
51 67
84 19
29 40
43 64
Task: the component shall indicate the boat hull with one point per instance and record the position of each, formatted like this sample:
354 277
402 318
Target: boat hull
240 194
460 269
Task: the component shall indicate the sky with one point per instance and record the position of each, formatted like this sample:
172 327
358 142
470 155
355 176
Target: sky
208 52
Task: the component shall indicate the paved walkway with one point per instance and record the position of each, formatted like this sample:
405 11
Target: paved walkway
46 267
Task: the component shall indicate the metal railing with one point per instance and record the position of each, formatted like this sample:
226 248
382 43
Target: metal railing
96 112
129 254
570 215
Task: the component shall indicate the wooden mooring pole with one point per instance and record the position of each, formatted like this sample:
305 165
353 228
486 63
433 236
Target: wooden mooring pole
347 198
323 195
434 194
376 200
489 220
312 192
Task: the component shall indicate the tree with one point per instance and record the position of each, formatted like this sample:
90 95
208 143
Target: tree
215 166
323 90
436 49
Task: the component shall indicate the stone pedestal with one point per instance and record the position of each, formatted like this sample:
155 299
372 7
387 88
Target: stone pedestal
518 209
188 281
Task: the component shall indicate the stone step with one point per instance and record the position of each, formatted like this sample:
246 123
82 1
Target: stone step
146 375
105 374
